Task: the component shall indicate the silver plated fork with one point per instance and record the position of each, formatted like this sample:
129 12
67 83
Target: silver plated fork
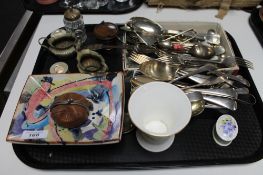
224 61
138 58
141 58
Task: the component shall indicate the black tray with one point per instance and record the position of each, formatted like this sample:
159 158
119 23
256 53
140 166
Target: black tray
194 146
257 25
117 8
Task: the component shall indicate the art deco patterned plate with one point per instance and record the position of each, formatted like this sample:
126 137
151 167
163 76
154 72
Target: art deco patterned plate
32 122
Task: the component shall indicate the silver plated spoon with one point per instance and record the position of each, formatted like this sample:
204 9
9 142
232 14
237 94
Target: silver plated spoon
197 102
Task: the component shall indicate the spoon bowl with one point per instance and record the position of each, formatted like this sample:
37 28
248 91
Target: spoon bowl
202 51
197 102
148 31
212 37
145 26
159 70
140 80
167 44
219 50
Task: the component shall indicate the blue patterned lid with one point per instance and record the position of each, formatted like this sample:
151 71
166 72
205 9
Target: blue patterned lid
226 127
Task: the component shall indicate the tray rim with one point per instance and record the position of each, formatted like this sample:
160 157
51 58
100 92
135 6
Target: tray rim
44 9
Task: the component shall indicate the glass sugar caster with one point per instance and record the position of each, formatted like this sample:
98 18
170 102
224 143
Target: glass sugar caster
73 21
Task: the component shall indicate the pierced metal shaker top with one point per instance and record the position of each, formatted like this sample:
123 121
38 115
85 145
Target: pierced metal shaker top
72 14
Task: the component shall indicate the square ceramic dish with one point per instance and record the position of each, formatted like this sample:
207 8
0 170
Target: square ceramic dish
199 27
33 124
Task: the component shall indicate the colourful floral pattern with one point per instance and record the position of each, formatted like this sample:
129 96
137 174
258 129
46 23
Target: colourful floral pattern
103 125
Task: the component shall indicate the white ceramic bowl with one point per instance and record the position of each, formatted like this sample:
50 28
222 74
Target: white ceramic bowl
159 109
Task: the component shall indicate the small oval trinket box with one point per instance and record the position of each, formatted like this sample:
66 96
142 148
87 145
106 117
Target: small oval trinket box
225 130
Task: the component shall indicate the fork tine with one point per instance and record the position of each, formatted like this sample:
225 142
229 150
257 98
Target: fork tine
250 64
134 53
243 59
164 58
238 59
135 60
142 57
242 64
139 58
245 64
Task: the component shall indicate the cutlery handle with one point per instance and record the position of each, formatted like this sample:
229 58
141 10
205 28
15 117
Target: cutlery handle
207 67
